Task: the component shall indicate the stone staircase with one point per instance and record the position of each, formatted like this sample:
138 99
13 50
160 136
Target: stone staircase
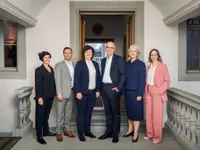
98 122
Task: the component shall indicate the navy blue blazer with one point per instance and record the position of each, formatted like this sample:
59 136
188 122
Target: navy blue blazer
117 71
81 77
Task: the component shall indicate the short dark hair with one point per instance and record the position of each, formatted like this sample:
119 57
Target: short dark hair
42 54
67 48
158 53
87 47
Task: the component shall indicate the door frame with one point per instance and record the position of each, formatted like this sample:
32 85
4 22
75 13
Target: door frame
105 6
130 27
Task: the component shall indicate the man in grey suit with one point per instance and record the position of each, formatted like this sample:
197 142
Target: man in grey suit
64 76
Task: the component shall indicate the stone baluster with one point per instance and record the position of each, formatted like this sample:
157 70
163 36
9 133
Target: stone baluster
198 130
188 123
168 111
175 106
183 118
24 109
179 117
172 112
193 126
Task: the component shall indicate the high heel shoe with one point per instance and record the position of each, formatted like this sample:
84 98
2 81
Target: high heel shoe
128 134
135 140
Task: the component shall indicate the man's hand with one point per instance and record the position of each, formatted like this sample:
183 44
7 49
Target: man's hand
115 89
40 101
60 97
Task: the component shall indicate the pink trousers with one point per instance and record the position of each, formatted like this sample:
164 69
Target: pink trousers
154 114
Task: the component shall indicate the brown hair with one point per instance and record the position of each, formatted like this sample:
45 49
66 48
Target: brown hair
158 53
42 54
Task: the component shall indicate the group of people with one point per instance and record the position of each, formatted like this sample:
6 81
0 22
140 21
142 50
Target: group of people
84 82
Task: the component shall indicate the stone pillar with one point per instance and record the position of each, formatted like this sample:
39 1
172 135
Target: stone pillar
24 109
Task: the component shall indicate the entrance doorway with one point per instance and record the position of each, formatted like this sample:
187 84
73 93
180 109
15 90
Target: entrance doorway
97 28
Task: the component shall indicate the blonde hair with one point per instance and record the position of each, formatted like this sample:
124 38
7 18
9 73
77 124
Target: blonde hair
134 47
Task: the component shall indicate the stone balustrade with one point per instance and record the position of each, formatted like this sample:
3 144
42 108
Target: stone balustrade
183 111
24 109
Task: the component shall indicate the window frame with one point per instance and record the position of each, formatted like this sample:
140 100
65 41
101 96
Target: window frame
183 73
192 27
18 72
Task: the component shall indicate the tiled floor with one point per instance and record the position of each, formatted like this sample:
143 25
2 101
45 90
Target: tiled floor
29 143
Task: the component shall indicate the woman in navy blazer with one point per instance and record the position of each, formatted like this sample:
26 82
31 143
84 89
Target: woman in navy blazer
87 89
135 72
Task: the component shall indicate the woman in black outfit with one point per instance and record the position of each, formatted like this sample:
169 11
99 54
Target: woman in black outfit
45 92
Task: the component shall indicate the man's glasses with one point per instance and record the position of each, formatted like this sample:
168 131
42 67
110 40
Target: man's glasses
110 47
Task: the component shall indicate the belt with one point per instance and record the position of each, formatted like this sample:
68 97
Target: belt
107 83
91 90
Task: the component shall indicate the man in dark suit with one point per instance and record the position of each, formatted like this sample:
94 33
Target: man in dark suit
113 77
87 89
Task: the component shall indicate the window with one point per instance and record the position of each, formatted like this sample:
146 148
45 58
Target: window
12 50
193 44
8 46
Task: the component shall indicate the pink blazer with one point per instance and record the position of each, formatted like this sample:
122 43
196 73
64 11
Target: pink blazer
161 80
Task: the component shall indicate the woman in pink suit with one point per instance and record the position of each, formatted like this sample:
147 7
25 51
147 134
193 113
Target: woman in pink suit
157 83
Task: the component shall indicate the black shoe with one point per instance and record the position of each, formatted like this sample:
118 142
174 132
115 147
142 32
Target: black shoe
89 134
128 134
49 134
41 140
105 136
135 140
115 139
82 138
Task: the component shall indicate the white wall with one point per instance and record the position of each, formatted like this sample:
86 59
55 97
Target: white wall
167 7
52 33
31 7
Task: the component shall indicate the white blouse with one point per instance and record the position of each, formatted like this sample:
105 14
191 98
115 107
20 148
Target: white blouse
92 75
150 75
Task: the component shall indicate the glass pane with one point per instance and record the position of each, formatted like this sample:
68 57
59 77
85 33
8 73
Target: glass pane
196 21
10 44
189 21
189 36
189 50
196 64
10 33
196 49
196 36
10 55
189 64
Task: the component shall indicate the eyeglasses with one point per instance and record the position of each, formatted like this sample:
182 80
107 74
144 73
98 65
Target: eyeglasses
110 47
68 53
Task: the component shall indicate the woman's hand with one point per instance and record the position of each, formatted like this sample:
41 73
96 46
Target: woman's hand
40 101
79 96
139 98
97 94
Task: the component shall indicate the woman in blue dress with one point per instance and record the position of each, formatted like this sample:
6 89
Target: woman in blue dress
135 72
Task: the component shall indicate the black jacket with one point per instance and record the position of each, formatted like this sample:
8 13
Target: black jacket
117 71
44 82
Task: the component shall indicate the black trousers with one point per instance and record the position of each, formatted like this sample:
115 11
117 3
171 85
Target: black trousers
84 112
42 116
111 100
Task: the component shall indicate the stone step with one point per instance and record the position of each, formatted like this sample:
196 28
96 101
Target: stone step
98 121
